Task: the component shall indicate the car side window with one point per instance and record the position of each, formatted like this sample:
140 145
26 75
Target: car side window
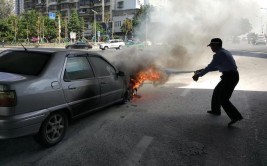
77 68
102 67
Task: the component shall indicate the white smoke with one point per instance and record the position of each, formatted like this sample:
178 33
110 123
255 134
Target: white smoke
186 27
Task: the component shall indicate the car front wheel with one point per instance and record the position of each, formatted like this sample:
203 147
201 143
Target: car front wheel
53 129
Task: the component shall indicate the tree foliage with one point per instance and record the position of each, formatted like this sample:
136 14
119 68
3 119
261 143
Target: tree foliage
74 24
127 26
99 27
239 27
6 8
142 15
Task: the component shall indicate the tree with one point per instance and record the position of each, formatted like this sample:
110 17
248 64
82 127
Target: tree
6 8
127 26
13 23
74 24
142 15
4 30
99 28
82 28
238 27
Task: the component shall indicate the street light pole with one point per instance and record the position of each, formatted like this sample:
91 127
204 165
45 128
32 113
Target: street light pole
266 22
95 24
103 10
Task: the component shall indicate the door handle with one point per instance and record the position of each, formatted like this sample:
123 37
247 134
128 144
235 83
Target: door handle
55 85
71 87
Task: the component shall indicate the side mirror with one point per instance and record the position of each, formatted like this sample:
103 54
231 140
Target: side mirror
121 73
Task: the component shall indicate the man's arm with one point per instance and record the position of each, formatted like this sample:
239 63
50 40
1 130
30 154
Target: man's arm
211 67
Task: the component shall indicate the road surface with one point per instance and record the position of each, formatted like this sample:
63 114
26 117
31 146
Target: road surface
165 125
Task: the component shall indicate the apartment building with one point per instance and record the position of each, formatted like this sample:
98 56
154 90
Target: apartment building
19 6
111 13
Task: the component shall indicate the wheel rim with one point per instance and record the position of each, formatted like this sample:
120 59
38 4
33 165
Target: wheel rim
55 127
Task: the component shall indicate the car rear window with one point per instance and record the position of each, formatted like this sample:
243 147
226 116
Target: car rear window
23 62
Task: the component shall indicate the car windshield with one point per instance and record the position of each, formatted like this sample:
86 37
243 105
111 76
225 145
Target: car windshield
23 62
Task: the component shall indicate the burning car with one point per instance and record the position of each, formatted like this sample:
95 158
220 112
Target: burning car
42 89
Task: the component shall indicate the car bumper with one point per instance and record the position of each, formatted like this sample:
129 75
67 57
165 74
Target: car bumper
21 125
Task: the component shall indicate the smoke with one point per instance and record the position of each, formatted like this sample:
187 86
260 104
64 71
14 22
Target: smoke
185 27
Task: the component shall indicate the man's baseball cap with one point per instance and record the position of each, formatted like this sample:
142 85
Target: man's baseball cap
215 41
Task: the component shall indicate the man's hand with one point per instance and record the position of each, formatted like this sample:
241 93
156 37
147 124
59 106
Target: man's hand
195 77
196 74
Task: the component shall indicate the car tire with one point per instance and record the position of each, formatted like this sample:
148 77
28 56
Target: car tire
105 48
86 48
119 48
53 129
126 97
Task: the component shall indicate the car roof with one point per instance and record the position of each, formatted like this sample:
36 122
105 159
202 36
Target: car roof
54 50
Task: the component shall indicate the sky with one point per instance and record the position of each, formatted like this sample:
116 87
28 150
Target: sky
260 19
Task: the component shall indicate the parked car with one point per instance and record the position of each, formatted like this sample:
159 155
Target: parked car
79 45
137 44
115 43
42 89
260 40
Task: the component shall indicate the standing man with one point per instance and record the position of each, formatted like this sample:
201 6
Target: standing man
225 63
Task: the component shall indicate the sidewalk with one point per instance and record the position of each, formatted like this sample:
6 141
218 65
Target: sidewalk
50 45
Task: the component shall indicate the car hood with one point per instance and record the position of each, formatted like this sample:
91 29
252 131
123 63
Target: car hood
10 77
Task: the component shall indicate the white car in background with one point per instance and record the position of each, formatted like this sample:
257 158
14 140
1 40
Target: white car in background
260 40
114 43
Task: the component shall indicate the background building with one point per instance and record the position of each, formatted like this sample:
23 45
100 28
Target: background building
111 13
19 6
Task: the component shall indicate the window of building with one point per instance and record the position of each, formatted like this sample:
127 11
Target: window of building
120 4
117 24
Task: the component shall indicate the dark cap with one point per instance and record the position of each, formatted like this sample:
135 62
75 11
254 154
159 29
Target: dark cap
216 41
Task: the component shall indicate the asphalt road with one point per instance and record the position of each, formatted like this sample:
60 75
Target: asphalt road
165 125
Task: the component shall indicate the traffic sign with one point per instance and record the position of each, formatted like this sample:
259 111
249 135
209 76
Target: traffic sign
52 15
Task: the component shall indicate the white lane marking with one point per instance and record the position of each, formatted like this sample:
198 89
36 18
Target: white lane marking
256 134
138 151
185 92
245 105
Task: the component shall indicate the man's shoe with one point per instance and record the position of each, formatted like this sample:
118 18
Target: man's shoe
214 113
234 121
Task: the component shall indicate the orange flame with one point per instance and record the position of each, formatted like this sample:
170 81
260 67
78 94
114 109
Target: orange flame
147 75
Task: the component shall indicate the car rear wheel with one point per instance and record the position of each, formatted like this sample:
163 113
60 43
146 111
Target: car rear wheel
105 48
53 129
119 47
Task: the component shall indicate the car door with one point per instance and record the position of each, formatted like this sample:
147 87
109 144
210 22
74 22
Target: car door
81 87
112 44
111 85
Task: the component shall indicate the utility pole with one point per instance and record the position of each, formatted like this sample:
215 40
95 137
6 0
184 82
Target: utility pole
95 24
103 11
265 21
43 29
59 29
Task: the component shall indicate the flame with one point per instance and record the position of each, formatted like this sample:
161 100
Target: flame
151 74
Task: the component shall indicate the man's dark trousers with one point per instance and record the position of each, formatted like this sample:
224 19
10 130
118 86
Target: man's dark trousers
223 92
